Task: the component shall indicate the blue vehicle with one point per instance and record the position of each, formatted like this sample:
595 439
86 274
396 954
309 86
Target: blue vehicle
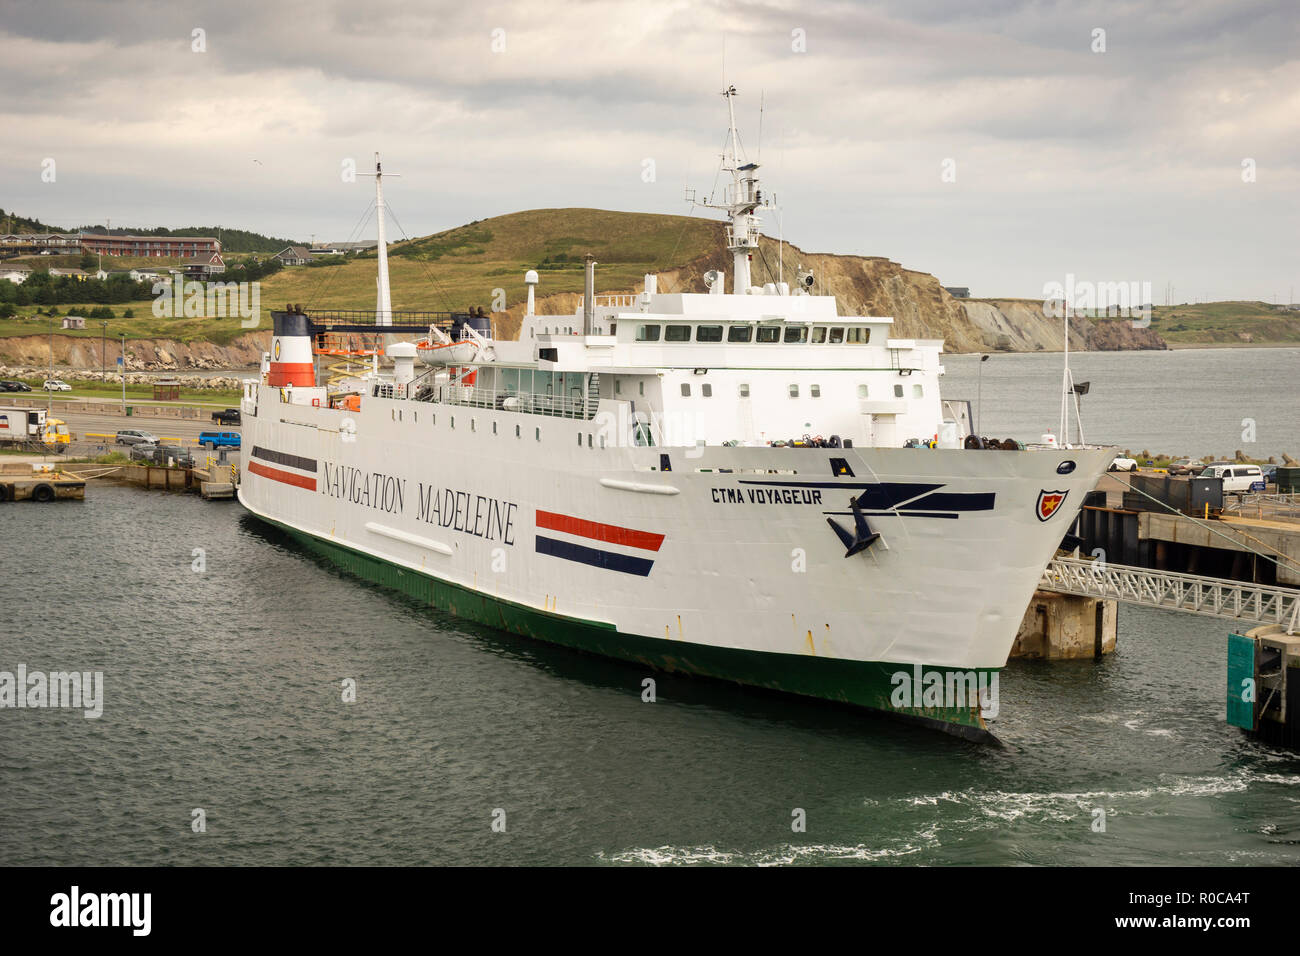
219 439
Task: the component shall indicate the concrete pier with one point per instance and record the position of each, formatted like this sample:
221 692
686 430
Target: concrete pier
1060 627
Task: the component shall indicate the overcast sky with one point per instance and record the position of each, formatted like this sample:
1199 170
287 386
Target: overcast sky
1121 165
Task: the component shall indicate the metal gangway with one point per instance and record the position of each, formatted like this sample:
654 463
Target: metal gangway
1193 593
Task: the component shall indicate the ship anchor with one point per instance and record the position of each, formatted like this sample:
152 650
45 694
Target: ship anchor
861 538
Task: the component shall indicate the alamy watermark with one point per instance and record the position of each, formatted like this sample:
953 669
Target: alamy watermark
919 688
58 689
212 300
1129 300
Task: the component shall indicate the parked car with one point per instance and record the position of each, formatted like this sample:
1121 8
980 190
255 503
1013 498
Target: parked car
15 386
179 456
1186 466
57 385
1123 464
1236 478
133 436
229 416
1270 473
143 451
219 439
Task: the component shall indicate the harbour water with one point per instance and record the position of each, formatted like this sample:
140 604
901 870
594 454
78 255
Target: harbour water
224 651
1180 402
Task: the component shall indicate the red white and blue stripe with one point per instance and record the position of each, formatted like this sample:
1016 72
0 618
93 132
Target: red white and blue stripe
628 541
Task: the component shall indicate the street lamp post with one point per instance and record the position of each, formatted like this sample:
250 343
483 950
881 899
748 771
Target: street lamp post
979 393
49 392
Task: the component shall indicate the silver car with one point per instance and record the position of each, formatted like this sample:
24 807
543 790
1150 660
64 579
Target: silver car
132 436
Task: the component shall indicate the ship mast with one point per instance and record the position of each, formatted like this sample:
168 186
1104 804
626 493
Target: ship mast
383 302
741 197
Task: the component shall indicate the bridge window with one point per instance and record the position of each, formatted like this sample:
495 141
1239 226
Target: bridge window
707 390
769 333
618 387
641 385
917 391
740 333
862 391
816 391
859 335
819 335
494 428
453 421
744 390
579 439
708 333
647 333
794 391
837 336
677 333
898 391
537 433
686 389
588 439
517 435
796 333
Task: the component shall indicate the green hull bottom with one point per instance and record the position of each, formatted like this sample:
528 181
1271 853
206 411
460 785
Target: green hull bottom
858 683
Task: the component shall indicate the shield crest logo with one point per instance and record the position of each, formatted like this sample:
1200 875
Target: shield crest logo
277 350
1049 502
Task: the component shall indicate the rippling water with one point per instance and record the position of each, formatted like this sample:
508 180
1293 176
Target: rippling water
1180 402
223 692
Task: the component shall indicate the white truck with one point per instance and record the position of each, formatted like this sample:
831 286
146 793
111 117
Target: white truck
30 428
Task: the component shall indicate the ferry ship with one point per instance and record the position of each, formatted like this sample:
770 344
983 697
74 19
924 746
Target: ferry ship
738 483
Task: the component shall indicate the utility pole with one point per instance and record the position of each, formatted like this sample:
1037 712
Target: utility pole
103 355
123 361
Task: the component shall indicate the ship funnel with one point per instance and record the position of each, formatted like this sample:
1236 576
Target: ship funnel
291 359
589 297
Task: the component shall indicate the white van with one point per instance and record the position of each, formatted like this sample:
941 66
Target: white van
1236 478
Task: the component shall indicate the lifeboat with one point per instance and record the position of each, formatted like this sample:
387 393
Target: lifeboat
432 352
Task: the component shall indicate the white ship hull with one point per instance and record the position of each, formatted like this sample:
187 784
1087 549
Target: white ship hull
729 551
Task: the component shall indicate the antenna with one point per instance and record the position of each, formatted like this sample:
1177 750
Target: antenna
758 153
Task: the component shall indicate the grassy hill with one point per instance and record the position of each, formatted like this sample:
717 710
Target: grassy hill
461 267
1226 323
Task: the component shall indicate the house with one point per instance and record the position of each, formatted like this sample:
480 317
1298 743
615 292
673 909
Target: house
78 274
74 322
294 256
364 245
201 267
16 273
957 291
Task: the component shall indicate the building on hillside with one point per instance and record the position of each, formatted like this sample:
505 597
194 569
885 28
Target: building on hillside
150 247
294 256
80 275
15 272
40 243
364 245
957 291
74 322
201 267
